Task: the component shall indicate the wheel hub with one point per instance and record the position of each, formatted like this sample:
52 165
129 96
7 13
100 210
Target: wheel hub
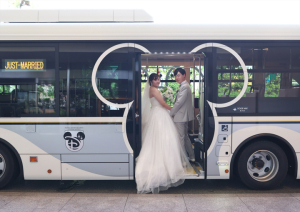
263 165
258 163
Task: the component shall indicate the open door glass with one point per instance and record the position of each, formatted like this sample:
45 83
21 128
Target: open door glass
199 100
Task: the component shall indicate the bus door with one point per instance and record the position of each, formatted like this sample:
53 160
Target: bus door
133 123
196 127
204 122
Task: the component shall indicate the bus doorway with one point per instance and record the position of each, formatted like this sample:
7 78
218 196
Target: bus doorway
194 65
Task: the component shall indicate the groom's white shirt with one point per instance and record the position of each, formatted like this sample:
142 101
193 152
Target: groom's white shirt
183 110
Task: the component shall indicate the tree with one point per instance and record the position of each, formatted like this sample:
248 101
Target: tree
19 3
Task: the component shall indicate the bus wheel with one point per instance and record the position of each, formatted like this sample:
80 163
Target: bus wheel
262 165
7 166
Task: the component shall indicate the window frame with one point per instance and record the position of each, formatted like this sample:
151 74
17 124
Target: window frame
181 44
258 44
56 68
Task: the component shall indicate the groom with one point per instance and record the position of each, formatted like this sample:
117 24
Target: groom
183 112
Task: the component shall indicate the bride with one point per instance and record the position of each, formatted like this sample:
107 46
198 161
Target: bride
162 162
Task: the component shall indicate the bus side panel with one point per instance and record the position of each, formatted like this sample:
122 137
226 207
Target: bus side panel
219 153
284 127
287 128
47 167
48 142
95 167
95 171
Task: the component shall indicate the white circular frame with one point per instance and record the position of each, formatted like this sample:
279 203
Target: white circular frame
218 45
195 50
111 49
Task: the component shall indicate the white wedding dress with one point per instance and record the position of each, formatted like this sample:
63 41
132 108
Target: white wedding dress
162 162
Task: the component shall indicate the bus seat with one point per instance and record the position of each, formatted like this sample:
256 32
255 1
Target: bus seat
5 97
262 92
296 92
281 93
289 92
252 94
293 92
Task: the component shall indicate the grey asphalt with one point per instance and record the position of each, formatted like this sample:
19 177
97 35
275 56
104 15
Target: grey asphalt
193 195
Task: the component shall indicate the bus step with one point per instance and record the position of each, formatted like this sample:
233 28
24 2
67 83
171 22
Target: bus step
200 164
196 167
192 137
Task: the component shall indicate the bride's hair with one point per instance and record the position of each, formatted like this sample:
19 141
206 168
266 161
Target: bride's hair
152 77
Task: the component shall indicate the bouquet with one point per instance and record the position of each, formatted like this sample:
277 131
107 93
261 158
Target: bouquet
168 94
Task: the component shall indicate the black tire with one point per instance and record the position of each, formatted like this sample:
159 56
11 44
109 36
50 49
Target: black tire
8 170
265 179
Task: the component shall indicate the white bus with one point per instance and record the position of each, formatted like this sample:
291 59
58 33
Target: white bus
71 84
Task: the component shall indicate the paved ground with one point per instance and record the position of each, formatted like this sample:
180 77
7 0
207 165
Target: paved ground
193 195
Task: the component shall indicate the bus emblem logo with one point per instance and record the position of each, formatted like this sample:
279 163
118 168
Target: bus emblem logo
225 128
74 140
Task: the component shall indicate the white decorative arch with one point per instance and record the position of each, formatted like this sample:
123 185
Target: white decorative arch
213 106
125 105
237 56
103 55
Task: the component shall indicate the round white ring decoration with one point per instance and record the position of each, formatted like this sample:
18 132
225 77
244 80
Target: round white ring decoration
218 45
103 55
133 45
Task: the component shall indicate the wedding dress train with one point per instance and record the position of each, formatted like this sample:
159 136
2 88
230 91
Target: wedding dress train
162 162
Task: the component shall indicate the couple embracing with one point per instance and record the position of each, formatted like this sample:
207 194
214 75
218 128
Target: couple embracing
163 161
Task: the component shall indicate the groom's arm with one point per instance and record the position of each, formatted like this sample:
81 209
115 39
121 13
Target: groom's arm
181 98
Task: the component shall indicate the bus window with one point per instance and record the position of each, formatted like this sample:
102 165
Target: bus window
267 93
6 93
231 84
272 57
77 98
225 60
27 78
114 80
259 57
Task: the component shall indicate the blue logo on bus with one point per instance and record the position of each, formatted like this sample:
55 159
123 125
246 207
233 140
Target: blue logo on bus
225 128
